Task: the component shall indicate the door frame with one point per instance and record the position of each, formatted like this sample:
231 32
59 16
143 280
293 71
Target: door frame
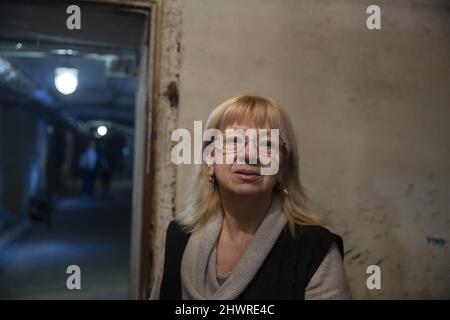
141 253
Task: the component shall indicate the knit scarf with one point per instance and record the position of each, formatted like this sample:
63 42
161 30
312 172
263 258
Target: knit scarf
198 266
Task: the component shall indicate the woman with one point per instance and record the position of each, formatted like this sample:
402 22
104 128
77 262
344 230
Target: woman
244 235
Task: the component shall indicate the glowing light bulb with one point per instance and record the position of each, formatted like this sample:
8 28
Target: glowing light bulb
66 80
102 131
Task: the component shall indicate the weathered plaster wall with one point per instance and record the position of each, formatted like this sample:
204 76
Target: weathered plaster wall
166 113
370 109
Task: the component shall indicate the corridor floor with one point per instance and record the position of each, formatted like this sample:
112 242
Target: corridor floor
91 233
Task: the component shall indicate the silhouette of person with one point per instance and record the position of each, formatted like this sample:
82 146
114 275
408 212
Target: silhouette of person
89 163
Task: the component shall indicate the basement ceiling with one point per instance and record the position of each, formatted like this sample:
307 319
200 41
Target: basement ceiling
34 40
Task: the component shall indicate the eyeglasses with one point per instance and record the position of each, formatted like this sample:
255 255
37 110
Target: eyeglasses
266 145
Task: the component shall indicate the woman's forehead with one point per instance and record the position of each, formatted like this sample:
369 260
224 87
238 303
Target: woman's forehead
247 125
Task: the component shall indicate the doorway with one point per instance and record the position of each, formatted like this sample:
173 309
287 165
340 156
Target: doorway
74 114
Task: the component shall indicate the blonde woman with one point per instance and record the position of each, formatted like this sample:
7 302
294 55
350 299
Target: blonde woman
245 235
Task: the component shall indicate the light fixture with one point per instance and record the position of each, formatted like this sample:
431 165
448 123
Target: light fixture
102 131
66 80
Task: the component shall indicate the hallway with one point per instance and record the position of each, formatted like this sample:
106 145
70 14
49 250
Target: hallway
92 233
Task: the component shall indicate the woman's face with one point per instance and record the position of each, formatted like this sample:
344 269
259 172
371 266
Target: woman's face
243 178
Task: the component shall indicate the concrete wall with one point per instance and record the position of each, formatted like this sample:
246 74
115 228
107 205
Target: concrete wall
23 149
371 110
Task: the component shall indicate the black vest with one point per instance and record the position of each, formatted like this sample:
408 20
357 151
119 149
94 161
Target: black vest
284 274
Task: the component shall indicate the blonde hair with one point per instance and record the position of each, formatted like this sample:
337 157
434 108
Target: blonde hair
204 198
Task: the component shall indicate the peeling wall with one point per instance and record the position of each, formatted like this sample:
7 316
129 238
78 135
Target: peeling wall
370 109
166 113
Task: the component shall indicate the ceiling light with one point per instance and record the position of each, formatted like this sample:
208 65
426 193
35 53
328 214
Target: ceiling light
102 131
66 80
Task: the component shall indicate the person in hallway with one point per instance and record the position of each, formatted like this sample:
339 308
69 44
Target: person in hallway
89 164
245 234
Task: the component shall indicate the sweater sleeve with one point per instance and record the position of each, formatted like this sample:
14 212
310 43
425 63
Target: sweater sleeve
329 282
154 295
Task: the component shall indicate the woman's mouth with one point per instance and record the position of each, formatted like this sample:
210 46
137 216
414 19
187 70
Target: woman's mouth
247 175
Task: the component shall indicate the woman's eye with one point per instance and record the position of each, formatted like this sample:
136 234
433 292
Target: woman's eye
266 144
231 140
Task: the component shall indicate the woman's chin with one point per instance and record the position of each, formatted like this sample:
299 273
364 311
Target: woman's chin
248 189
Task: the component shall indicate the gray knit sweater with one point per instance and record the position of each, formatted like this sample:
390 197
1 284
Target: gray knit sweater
201 281
329 282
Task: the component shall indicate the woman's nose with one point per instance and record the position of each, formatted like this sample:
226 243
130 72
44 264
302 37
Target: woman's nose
251 152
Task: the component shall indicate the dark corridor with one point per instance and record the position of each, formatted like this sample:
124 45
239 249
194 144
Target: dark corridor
67 119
